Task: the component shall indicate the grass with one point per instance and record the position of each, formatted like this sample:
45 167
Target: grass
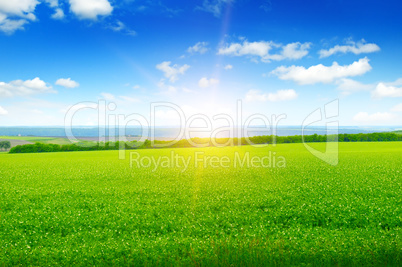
90 208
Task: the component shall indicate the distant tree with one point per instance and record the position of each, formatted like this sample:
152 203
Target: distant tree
5 145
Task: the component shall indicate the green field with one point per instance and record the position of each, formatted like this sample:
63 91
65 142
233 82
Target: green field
91 208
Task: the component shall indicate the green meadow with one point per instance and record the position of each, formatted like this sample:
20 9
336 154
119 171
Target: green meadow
93 208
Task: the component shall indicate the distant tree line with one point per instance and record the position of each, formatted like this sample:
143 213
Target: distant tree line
40 147
255 140
5 145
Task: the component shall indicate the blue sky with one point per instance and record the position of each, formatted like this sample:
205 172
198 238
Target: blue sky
277 57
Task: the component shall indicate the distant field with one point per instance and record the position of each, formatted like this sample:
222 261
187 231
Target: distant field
90 208
33 139
23 140
14 142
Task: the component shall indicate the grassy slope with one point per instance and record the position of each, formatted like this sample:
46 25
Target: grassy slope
90 208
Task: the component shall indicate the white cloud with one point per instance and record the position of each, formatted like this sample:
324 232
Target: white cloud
59 14
52 3
3 111
214 6
228 67
397 108
320 73
166 89
121 99
121 27
200 47
10 26
379 117
90 9
205 82
108 96
398 82
129 99
352 47
186 90
68 83
348 86
79 106
262 49
280 95
172 72
136 86
385 90
292 51
37 111
15 14
24 88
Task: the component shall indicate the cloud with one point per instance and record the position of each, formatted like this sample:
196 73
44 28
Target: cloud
292 51
280 95
79 106
397 108
121 27
266 6
398 82
262 49
214 6
108 96
200 47
24 88
385 90
3 111
379 117
15 14
166 89
59 13
228 67
129 99
204 82
111 97
186 90
68 83
170 90
348 86
352 47
172 72
52 3
320 73
37 111
90 9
